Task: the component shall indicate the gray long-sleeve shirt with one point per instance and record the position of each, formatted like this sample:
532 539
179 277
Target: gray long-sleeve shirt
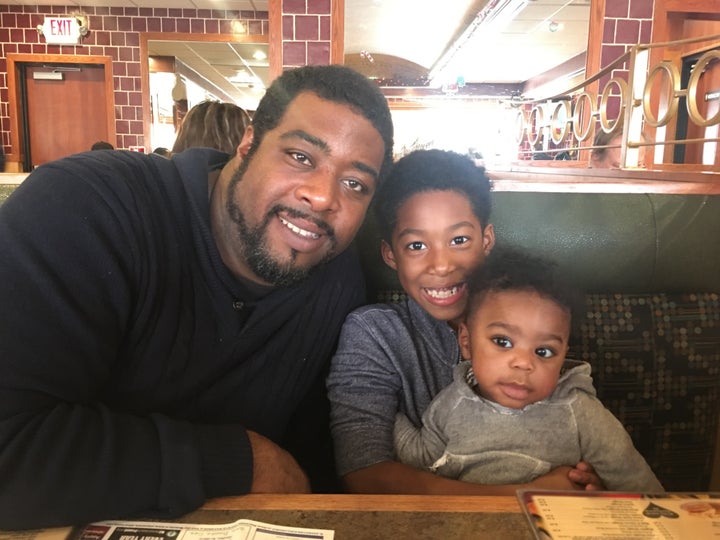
391 357
467 437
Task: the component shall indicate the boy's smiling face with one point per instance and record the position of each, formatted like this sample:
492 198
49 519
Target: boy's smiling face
437 242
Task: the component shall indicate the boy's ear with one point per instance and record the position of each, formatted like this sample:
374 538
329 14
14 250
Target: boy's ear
464 340
388 255
488 238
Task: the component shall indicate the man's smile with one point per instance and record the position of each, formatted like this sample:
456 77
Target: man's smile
298 230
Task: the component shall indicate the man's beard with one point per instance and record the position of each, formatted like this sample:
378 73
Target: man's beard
254 245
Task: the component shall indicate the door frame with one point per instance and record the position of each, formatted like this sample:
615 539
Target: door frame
15 106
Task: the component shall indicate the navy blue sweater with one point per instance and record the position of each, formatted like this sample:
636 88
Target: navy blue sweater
131 360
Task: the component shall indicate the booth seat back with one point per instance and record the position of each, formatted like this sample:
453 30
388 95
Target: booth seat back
648 264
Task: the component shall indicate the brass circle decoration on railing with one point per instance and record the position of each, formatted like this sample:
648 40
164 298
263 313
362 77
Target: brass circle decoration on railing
558 124
673 92
622 86
692 97
576 112
535 124
583 107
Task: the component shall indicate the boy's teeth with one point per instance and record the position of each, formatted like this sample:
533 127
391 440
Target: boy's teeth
442 293
298 230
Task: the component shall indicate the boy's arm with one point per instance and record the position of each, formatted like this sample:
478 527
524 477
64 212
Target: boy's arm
397 478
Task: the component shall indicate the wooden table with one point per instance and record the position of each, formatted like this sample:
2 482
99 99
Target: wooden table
375 517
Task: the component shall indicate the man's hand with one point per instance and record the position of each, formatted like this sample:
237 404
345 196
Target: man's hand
274 469
585 478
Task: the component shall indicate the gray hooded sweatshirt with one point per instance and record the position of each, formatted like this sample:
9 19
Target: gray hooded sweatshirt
467 437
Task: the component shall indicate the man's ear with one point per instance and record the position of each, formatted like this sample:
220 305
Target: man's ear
388 255
245 143
463 337
488 238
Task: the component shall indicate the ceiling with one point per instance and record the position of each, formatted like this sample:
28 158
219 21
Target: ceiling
465 41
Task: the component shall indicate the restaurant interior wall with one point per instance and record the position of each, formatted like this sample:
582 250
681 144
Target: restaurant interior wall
114 32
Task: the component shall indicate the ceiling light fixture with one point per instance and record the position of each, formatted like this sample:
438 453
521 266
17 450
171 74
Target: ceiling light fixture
490 20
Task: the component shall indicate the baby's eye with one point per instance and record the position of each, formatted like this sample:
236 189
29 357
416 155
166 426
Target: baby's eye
502 341
544 352
416 246
459 240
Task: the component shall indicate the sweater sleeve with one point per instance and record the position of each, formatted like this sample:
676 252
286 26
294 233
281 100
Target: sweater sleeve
421 447
607 446
363 389
66 283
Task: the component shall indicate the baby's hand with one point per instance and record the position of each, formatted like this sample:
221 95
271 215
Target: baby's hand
585 477
557 479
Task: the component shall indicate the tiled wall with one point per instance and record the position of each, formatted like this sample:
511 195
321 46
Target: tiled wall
627 23
306 32
114 32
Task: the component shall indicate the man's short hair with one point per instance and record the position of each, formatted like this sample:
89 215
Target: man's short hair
431 170
333 83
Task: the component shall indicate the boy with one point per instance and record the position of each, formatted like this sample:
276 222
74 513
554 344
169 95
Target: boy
433 214
517 408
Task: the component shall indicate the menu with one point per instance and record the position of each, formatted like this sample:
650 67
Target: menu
243 529
599 515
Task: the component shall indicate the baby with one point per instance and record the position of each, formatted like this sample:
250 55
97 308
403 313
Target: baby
517 408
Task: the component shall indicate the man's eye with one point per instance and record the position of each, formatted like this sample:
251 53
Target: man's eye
545 352
459 240
502 341
415 246
355 185
300 158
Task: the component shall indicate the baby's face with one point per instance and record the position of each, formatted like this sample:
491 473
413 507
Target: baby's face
517 341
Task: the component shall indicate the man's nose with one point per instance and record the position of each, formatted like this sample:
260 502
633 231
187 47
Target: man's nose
319 191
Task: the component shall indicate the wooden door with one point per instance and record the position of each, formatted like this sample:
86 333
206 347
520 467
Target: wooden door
63 113
64 116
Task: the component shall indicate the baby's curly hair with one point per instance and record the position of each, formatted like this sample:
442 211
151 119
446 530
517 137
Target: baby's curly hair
511 269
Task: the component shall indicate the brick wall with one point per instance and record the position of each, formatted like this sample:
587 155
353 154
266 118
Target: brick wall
306 32
114 32
627 23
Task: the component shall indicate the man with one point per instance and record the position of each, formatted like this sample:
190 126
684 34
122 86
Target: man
162 320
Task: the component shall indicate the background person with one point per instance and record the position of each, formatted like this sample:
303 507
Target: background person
212 124
102 145
517 408
608 151
163 322
433 215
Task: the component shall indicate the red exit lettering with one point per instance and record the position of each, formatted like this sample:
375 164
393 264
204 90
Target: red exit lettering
60 27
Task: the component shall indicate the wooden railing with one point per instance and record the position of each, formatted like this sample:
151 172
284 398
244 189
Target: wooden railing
659 107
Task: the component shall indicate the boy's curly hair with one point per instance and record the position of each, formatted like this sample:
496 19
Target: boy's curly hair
431 170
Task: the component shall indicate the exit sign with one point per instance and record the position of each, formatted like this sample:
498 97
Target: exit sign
61 30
